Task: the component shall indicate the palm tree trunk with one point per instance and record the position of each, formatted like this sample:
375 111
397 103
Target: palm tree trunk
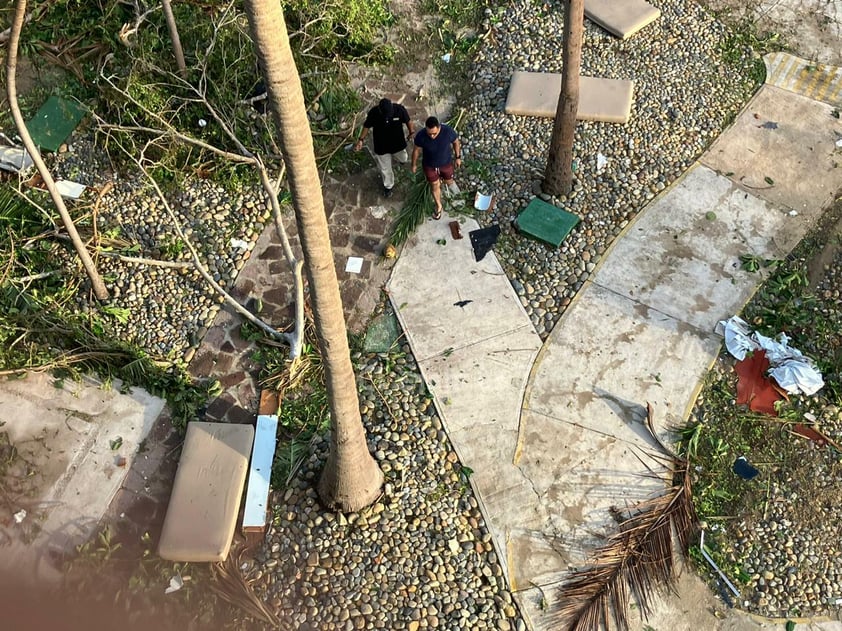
351 479
558 176
11 90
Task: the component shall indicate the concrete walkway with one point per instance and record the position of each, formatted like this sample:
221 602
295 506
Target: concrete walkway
552 452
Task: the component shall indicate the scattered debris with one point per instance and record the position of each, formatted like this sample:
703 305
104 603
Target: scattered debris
753 387
20 516
70 190
446 58
769 125
116 443
815 435
601 162
354 265
483 202
789 367
462 303
716 567
176 583
745 470
483 240
15 159
240 244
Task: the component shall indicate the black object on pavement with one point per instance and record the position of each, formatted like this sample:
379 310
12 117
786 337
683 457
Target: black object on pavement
483 240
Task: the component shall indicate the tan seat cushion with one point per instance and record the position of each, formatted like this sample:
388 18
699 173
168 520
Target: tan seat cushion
622 18
202 513
536 94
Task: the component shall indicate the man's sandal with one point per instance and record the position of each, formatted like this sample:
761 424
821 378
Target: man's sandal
437 214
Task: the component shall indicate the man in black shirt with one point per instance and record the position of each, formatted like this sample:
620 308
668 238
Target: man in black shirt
386 122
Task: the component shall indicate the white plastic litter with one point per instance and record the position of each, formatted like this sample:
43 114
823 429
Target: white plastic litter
788 366
446 58
15 159
20 516
239 244
601 162
176 583
354 265
482 201
72 190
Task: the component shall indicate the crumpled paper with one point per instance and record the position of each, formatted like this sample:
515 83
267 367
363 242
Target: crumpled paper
788 366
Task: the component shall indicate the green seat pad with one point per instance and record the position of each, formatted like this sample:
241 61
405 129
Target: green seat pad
53 123
546 222
382 334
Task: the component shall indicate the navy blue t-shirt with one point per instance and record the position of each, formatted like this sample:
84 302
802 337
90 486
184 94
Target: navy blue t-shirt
436 151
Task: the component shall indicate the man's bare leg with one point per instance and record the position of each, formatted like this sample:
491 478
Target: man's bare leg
437 197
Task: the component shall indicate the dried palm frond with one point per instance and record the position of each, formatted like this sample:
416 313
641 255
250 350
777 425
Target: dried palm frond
231 586
637 561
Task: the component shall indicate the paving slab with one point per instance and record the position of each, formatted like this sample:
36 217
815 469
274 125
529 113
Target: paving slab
782 148
622 18
475 359
78 440
682 257
600 99
433 274
821 82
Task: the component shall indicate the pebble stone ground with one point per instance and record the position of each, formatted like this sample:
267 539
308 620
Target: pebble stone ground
421 555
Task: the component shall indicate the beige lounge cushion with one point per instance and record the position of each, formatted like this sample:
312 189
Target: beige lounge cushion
622 18
536 94
202 513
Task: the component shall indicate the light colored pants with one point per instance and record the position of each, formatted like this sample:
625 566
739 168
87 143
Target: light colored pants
384 165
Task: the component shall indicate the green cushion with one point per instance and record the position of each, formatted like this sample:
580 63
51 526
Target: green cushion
382 334
53 123
546 222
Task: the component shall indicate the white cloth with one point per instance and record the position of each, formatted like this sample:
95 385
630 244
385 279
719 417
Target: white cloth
788 366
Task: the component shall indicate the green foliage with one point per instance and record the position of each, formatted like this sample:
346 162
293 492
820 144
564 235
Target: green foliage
418 206
349 29
745 46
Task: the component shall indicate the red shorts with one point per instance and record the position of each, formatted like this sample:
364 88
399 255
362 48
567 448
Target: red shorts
433 173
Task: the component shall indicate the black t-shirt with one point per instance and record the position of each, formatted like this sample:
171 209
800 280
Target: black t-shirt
388 132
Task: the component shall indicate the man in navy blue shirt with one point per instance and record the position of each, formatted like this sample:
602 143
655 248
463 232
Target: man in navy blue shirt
386 121
440 145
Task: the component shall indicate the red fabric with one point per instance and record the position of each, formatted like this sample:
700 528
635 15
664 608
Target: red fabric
754 387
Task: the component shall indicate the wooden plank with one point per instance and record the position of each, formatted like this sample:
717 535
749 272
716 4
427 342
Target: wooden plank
260 473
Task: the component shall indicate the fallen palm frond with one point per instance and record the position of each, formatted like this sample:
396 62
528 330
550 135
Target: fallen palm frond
637 561
418 206
231 586
304 368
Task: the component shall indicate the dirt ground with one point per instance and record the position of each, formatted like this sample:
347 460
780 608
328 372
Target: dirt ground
810 28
